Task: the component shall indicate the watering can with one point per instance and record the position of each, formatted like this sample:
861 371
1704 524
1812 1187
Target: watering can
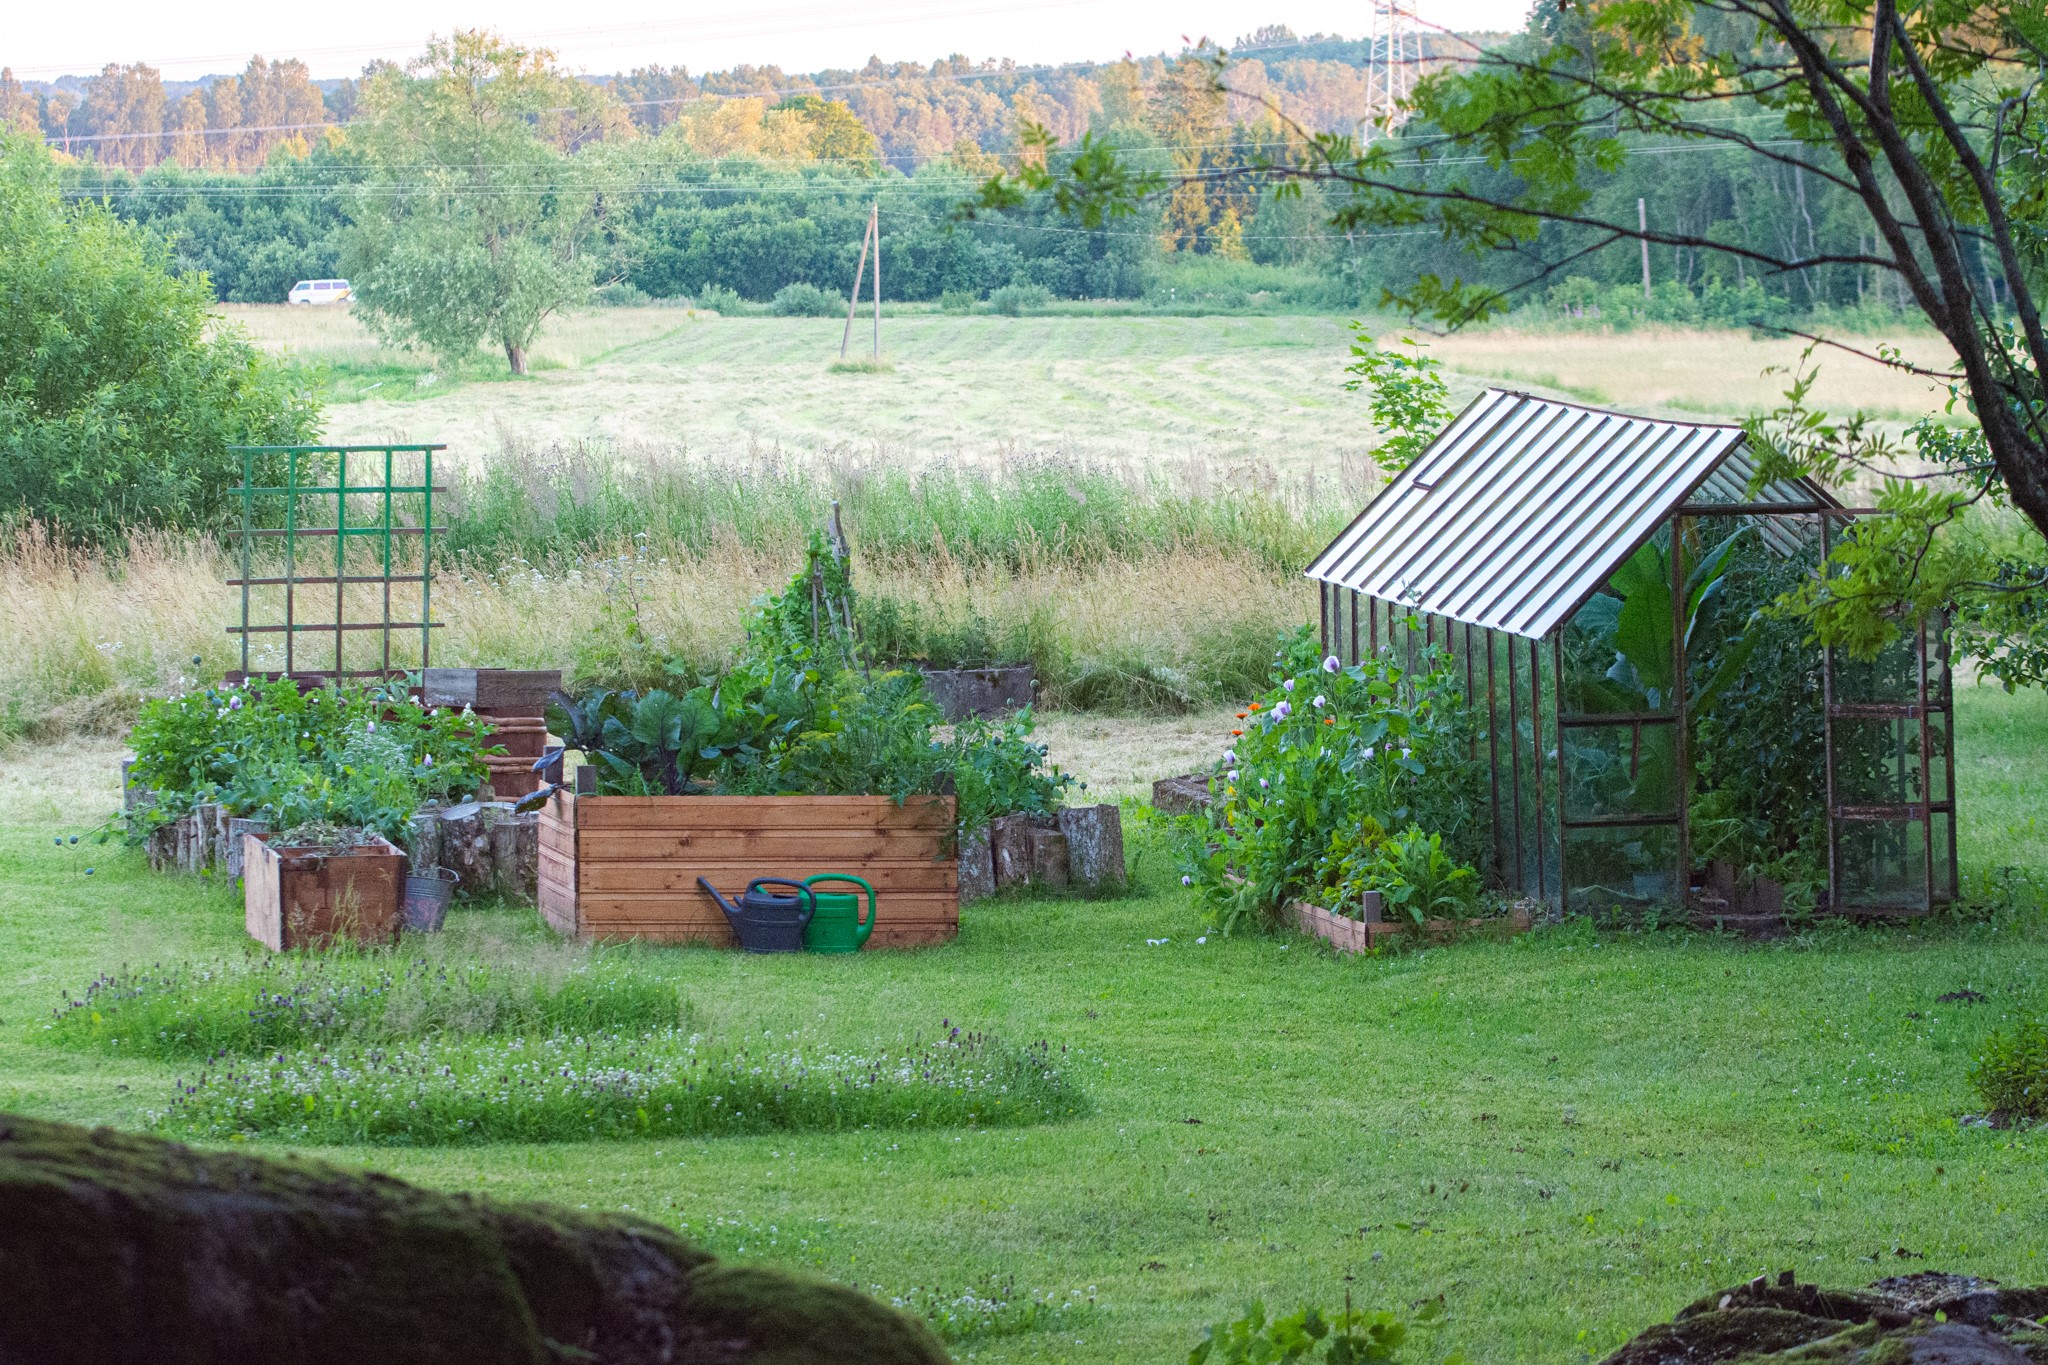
764 921
837 926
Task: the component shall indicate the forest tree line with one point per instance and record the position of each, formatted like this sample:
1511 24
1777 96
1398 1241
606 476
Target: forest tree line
746 182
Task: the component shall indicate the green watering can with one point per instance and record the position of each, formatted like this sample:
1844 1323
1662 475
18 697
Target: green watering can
837 927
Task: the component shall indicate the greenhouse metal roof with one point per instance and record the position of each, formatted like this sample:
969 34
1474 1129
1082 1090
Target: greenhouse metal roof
1523 507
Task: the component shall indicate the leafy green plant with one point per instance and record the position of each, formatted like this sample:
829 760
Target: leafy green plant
1417 878
363 756
806 300
1341 1337
1410 401
2011 1075
1325 749
992 1307
1015 300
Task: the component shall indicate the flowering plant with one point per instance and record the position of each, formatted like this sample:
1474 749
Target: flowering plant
1377 742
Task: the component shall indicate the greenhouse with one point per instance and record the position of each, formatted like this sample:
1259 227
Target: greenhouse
1653 736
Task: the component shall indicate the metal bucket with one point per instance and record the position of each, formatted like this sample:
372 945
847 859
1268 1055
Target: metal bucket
427 893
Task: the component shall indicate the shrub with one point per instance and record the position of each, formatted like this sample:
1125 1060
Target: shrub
119 394
620 294
1327 749
665 1083
804 300
957 301
1015 300
718 299
2011 1075
272 1003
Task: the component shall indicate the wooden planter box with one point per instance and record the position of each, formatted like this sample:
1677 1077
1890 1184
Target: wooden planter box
627 866
1349 935
309 897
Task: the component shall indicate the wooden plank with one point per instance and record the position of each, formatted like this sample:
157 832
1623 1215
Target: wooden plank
887 939
661 813
732 877
920 907
557 836
836 847
557 898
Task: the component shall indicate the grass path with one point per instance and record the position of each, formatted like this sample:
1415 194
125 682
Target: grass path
1566 1137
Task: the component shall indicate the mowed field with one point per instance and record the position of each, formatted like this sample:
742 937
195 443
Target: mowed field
1264 393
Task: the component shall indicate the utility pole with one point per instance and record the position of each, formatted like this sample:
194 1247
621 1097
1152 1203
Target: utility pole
871 239
1643 221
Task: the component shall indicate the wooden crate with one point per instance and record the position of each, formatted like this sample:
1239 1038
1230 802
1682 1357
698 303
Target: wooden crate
627 866
307 897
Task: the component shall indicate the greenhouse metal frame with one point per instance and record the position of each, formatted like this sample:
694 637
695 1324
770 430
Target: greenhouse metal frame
1500 534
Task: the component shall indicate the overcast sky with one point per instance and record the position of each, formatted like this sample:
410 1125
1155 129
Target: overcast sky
41 41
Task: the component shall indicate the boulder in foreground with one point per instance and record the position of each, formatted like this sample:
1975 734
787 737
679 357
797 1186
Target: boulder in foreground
120 1248
1924 1319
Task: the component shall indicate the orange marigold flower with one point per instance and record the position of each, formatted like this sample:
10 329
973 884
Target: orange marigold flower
1329 720
1237 732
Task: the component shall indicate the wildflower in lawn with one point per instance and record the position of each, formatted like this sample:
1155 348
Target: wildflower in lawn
1330 665
1187 881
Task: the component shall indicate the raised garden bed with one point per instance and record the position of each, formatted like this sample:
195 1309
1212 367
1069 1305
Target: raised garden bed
1349 935
627 866
299 897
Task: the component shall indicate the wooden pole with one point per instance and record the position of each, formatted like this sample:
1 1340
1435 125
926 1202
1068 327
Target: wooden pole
1643 221
853 300
875 235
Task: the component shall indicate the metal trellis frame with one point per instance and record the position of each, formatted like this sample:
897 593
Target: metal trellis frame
326 472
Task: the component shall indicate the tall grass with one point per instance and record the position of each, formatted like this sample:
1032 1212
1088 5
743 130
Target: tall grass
266 1004
617 1084
538 505
1153 590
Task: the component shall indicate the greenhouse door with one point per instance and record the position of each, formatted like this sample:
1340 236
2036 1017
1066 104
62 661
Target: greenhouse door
1891 776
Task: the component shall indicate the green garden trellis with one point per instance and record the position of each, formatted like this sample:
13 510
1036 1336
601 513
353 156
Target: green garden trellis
304 516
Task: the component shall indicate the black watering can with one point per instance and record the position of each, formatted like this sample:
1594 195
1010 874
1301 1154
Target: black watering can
764 921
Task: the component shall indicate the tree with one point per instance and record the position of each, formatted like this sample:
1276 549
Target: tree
18 113
468 225
1925 114
119 394
124 107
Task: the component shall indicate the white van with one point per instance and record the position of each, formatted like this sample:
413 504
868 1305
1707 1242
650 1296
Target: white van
319 291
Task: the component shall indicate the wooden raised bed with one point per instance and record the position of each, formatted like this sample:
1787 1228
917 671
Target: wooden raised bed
1349 935
309 897
627 866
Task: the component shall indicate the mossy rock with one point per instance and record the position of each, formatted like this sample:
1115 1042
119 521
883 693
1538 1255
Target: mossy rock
117 1248
1924 1319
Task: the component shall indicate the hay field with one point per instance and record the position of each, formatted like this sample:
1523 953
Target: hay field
1227 391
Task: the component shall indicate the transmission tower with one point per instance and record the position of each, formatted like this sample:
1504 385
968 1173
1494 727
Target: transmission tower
1393 62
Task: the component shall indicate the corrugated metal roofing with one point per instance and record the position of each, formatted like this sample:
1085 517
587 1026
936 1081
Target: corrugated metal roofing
1522 507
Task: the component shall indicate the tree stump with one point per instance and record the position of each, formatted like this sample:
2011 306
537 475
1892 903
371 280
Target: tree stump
426 838
231 855
466 846
515 851
1181 795
1095 844
977 867
1009 839
1049 859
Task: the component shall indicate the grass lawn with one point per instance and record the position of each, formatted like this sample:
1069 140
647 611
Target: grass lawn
1566 1137
1246 395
